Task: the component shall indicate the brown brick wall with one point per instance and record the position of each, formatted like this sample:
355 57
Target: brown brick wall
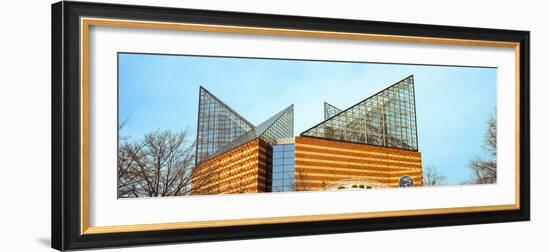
243 169
321 162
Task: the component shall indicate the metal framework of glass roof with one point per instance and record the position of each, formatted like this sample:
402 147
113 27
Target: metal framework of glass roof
387 118
217 125
220 129
279 126
331 110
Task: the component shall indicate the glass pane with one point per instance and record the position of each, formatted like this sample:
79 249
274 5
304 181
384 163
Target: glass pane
277 148
277 175
289 147
277 155
277 182
277 168
277 161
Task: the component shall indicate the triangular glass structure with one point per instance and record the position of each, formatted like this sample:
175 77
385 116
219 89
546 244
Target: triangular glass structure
331 110
387 118
279 126
217 126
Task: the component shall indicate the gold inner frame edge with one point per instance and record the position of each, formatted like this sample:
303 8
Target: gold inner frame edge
85 24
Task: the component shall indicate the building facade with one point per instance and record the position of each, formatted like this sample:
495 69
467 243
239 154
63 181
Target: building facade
321 163
371 144
243 169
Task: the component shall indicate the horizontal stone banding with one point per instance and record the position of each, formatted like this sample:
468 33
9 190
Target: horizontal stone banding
344 157
352 147
319 162
351 165
309 170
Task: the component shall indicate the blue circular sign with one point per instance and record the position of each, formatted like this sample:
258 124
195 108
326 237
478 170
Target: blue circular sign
406 181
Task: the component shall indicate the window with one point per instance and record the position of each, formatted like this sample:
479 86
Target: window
283 168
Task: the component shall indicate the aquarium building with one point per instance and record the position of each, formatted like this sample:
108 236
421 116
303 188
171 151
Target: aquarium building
368 145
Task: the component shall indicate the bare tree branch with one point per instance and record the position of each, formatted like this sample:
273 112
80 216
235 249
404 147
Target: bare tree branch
159 164
484 170
432 177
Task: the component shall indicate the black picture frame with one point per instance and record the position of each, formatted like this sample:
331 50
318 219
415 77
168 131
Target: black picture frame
66 123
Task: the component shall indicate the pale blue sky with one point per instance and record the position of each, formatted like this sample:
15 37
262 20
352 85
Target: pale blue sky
452 103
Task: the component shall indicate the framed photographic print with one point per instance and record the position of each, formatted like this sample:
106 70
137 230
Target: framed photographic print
181 125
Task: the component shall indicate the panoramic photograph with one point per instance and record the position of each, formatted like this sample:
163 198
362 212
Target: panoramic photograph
208 125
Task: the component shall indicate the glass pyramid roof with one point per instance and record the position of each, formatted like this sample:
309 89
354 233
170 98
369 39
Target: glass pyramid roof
387 118
279 126
221 129
217 125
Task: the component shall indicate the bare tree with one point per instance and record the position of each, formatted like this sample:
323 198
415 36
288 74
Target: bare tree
432 177
159 164
484 170
128 156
